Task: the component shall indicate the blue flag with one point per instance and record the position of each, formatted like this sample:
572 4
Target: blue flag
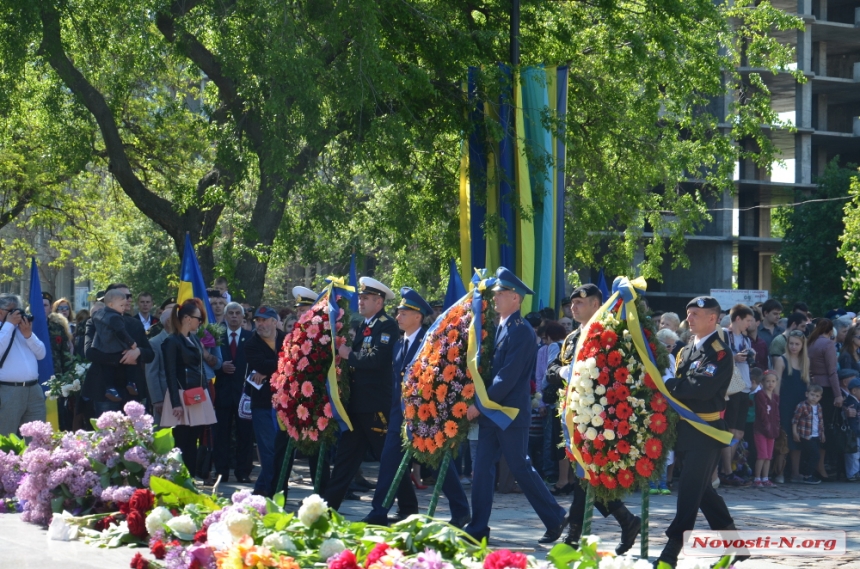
353 282
191 283
40 323
601 284
456 290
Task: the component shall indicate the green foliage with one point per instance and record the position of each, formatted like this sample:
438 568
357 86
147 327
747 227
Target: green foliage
809 266
849 251
12 443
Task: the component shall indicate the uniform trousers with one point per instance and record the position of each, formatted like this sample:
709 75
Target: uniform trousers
228 420
368 433
512 442
577 507
696 492
407 502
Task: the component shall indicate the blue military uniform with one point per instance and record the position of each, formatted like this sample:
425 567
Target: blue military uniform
392 452
512 370
370 395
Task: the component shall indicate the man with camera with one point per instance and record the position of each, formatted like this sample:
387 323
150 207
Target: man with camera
21 397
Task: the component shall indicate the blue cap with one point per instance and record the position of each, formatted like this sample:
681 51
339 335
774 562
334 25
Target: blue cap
507 280
411 300
265 312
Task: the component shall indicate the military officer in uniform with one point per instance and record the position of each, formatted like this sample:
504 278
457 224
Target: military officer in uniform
410 315
702 376
508 384
585 301
370 362
305 299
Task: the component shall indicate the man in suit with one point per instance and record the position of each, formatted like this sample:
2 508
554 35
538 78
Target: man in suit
144 311
229 383
410 315
585 301
370 362
702 377
508 384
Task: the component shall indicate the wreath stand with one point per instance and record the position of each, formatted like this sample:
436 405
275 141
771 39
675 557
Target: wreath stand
401 472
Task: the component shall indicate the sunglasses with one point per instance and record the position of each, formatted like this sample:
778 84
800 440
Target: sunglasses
199 318
795 334
63 308
128 297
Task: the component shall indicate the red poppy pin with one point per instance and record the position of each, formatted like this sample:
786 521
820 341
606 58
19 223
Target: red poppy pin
368 331
721 354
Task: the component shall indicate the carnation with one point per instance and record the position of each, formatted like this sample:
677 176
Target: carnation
182 525
239 523
279 542
156 519
331 547
311 509
504 559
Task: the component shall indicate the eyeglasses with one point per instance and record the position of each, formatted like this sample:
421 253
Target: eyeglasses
199 318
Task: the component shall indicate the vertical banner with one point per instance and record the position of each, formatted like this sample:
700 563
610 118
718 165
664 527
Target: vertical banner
477 172
558 183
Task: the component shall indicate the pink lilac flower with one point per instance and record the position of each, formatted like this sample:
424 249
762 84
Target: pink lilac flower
40 433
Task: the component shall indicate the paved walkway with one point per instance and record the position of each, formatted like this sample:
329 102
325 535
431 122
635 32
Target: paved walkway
834 506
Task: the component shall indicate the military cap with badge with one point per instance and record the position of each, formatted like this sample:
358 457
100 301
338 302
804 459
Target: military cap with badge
304 296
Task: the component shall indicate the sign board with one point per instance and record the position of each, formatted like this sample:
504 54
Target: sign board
728 297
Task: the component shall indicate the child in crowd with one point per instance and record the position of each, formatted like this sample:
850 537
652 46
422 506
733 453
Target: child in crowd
112 338
807 428
221 284
851 412
749 428
766 428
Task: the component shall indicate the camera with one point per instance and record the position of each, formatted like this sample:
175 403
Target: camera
750 356
24 315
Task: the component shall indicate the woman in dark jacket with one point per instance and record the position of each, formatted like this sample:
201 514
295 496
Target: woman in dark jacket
849 357
183 367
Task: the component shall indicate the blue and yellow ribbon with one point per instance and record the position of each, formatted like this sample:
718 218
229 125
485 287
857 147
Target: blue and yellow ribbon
335 287
628 291
499 414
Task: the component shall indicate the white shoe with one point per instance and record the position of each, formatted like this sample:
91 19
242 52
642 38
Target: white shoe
779 479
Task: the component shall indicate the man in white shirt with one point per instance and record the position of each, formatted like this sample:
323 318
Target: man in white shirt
21 397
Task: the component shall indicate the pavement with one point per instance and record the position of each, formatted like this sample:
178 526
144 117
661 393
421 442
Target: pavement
828 506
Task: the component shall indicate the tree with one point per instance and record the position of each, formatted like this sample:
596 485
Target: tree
339 121
809 266
849 251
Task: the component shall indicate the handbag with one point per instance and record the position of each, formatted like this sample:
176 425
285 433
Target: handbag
245 407
844 440
194 396
737 384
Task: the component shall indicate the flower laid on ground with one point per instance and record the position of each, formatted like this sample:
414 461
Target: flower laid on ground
438 389
621 421
311 509
300 397
100 469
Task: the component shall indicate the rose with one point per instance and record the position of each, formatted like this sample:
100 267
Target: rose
504 559
158 549
136 524
311 509
139 562
344 560
142 500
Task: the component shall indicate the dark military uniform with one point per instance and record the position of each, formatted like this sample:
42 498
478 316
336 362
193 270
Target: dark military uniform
702 377
369 401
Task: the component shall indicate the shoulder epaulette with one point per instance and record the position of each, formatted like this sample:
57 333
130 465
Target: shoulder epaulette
383 318
717 345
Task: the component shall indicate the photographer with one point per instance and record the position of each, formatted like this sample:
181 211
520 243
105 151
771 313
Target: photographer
21 397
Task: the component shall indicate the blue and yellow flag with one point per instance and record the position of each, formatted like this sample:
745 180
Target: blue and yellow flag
191 283
40 329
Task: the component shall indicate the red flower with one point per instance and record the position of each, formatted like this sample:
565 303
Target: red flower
621 391
586 458
195 564
601 360
608 481
611 398
105 523
621 374
608 339
658 423
614 358
647 333
200 536
625 478
376 553
598 443
142 500
157 549
644 467
124 508
653 448
594 480
577 437
139 562
623 410
367 332
600 459
596 328
504 559
623 428
658 402
649 382
653 347
136 524
603 378
344 560
613 455
623 447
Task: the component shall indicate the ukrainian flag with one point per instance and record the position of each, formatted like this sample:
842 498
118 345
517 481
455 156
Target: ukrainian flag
191 283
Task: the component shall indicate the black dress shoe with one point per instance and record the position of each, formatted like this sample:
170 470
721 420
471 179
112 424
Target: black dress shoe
630 527
552 534
240 479
375 521
351 496
363 483
460 522
574 532
401 515
478 536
